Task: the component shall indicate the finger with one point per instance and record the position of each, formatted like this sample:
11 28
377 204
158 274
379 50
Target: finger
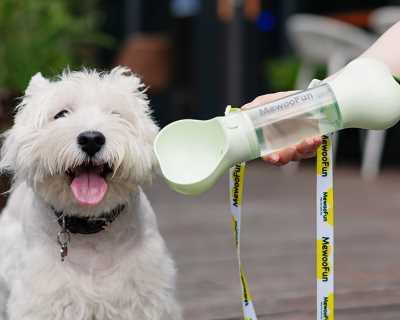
266 98
308 145
302 156
309 155
305 146
286 155
317 141
272 158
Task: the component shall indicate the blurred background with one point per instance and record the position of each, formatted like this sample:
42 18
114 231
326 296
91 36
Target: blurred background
198 56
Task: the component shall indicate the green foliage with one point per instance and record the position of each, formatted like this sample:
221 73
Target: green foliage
46 36
281 73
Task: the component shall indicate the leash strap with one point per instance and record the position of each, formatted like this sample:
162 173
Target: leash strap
325 231
236 182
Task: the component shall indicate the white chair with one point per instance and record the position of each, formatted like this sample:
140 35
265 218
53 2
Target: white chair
320 40
379 21
317 38
383 18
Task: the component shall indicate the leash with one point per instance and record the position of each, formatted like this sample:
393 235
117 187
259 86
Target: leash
236 182
324 231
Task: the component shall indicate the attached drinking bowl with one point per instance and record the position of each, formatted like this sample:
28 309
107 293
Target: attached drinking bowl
189 152
193 154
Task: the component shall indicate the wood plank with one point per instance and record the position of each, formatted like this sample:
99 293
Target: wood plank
278 245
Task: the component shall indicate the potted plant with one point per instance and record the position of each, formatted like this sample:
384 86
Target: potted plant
45 36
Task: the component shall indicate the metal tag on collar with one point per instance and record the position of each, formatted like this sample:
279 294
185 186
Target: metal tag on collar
63 238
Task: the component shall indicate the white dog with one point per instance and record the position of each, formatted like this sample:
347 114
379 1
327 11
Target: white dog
80 149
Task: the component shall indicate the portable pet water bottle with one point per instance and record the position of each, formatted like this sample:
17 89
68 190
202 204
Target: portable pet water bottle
193 154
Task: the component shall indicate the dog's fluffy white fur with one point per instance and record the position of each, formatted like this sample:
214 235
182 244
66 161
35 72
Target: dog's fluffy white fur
124 272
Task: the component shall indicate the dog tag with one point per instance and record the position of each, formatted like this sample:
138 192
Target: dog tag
63 238
63 252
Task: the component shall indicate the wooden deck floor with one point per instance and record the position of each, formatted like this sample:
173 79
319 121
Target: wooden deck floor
278 246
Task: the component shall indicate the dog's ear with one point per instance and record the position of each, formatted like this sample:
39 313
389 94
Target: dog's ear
37 82
127 79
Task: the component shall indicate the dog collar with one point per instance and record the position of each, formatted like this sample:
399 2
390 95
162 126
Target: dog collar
74 224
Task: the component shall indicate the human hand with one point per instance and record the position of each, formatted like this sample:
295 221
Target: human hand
304 150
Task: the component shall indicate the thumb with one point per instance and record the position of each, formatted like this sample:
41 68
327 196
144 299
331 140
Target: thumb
267 98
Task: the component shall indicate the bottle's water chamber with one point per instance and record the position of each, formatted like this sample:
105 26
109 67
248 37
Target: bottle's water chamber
289 120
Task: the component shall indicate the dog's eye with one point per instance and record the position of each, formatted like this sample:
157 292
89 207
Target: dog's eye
115 113
61 114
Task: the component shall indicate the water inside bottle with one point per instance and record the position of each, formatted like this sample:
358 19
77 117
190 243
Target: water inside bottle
287 121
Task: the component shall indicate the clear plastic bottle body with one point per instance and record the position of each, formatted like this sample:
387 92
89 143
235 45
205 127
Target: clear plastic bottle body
287 121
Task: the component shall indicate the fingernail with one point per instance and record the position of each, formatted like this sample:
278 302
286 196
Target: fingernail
317 140
274 158
310 141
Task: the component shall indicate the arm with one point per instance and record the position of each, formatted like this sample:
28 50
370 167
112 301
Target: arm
387 49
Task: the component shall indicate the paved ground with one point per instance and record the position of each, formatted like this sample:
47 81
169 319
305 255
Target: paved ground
278 246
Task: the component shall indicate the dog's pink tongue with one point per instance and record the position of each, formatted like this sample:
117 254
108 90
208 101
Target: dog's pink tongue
89 188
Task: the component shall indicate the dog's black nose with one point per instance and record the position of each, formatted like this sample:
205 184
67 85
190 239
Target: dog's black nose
91 142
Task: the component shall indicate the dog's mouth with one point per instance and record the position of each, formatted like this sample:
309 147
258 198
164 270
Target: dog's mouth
88 182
